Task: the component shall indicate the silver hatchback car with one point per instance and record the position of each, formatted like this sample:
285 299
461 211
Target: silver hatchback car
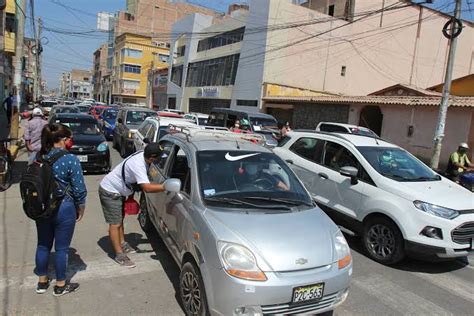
246 234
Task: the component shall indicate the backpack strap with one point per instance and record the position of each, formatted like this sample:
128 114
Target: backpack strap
123 170
51 160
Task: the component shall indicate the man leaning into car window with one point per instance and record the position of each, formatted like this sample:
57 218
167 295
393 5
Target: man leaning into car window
118 185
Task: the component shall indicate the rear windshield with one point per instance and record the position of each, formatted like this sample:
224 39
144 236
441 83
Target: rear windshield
137 117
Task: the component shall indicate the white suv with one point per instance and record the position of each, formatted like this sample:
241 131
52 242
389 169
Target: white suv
154 128
380 191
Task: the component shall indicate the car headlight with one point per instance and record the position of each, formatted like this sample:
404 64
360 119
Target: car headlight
436 210
130 134
107 124
240 262
103 147
343 252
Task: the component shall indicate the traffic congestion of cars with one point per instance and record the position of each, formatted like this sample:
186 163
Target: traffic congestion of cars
257 222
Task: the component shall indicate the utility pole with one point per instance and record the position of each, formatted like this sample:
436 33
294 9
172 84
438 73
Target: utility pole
37 86
20 35
443 110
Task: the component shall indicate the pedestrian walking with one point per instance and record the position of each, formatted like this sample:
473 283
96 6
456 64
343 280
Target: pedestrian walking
32 136
59 228
8 105
129 176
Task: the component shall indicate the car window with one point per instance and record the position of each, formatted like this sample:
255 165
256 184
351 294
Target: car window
167 147
202 121
137 117
397 164
217 119
151 133
144 128
179 169
309 148
332 128
337 156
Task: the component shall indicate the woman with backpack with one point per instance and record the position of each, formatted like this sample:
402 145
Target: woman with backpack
56 139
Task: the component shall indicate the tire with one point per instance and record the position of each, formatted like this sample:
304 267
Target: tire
383 241
192 292
143 217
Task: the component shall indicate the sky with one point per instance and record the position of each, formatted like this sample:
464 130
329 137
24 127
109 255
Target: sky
63 52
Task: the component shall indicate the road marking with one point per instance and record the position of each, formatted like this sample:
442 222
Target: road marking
397 297
104 268
450 283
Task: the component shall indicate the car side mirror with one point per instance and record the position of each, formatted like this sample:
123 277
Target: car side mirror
350 172
172 185
119 120
146 140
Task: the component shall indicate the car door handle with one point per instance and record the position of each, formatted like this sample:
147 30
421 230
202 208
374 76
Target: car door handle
323 175
289 161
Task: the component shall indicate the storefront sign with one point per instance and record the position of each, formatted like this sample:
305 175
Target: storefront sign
208 92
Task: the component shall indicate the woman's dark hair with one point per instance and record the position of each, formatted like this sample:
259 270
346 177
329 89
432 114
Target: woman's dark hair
51 134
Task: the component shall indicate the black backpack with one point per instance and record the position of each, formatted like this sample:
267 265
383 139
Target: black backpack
39 188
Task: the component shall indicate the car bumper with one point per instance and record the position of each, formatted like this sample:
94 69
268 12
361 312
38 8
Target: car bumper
99 161
129 144
108 133
231 296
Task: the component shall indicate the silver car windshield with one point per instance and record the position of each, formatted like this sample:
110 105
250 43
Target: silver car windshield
397 164
245 179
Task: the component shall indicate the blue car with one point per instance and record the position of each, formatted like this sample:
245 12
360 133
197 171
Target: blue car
107 119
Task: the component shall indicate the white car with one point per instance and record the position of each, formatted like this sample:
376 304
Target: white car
154 128
380 191
198 118
345 129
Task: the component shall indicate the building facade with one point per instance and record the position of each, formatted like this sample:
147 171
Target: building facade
7 47
389 43
100 71
158 79
134 56
76 84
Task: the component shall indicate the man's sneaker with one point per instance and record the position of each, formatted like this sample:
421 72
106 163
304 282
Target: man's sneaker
124 261
42 287
68 288
126 248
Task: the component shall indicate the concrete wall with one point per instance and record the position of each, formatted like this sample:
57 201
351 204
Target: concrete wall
375 58
307 116
397 119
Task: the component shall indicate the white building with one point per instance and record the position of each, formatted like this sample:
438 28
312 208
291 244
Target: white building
231 62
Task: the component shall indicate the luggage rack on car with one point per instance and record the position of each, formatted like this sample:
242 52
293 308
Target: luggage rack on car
214 131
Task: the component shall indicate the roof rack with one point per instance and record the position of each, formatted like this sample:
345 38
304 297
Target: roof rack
214 131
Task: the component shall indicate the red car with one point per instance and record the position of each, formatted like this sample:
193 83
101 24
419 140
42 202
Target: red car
96 110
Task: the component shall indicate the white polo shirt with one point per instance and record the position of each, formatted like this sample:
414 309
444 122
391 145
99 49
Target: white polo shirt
135 172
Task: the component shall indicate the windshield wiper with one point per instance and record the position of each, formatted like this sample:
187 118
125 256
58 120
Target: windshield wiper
279 200
233 201
435 178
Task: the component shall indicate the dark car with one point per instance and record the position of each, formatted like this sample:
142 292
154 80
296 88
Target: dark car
128 121
108 119
83 108
90 145
259 123
62 109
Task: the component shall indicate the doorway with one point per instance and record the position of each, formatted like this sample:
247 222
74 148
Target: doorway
372 117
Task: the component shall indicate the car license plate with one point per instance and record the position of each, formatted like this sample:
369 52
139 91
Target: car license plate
83 158
308 293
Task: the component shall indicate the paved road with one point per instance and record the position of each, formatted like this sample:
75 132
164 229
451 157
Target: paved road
414 287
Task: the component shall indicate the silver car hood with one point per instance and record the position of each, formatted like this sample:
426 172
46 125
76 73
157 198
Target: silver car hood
281 242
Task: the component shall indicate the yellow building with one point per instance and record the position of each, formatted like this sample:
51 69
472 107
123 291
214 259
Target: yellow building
463 87
10 27
134 56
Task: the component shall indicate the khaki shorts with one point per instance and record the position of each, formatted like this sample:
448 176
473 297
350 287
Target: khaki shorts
112 206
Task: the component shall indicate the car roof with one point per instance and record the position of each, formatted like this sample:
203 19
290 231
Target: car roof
199 115
254 114
354 139
75 116
136 108
345 125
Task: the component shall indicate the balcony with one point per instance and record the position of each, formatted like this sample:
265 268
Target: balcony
10 42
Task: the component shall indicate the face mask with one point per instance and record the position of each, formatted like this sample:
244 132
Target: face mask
68 143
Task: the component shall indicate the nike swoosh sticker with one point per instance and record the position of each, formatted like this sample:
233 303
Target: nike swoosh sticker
237 158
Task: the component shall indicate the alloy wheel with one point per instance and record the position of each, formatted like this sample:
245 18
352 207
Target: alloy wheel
380 241
191 293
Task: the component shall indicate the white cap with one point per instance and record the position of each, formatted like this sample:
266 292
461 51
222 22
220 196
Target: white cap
464 145
37 112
